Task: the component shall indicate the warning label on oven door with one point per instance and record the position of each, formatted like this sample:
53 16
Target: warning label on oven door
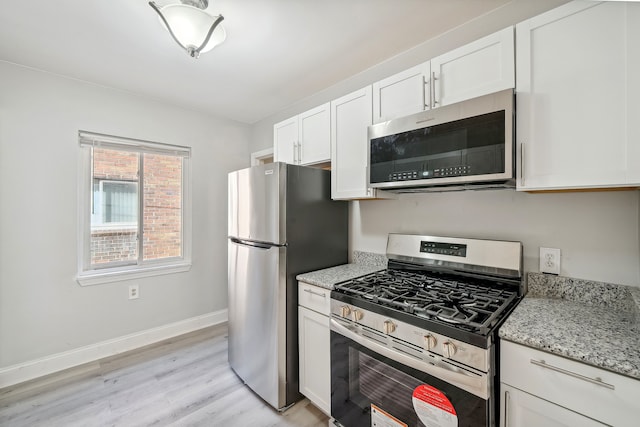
380 418
433 407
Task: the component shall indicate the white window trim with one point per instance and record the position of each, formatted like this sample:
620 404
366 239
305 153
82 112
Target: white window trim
85 189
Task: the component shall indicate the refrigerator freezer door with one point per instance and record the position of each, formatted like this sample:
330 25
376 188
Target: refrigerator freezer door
257 318
256 196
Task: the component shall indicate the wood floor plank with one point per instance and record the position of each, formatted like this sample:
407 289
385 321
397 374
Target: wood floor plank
185 381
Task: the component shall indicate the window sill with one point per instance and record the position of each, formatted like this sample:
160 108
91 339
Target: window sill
97 277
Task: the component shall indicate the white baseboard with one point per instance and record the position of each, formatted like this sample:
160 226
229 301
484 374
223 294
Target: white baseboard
26 371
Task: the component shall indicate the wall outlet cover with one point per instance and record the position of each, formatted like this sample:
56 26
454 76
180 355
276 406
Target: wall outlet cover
550 260
134 292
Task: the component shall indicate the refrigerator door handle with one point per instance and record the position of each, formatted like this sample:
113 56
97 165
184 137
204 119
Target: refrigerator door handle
257 245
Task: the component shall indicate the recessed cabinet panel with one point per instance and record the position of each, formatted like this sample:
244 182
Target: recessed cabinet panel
401 94
314 127
314 345
520 409
571 92
350 117
285 139
633 93
478 68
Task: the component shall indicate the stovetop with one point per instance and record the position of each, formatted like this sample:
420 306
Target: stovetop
468 304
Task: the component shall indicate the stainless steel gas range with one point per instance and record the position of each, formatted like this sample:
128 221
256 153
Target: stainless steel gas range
417 344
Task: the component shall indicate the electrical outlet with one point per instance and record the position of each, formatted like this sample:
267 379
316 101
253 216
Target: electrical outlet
550 260
134 291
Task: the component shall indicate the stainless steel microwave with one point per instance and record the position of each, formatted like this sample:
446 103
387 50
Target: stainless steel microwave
467 145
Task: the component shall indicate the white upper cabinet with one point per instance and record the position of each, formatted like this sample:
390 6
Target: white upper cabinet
314 128
285 140
305 138
401 94
478 68
633 93
576 92
350 118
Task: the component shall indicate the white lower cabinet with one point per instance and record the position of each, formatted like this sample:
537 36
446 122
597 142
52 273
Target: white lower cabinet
543 389
522 409
314 345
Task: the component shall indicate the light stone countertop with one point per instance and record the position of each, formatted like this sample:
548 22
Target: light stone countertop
591 322
329 277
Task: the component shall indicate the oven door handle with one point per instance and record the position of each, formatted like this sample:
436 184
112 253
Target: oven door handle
473 383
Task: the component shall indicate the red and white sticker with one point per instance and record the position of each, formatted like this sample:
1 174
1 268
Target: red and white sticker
380 418
433 407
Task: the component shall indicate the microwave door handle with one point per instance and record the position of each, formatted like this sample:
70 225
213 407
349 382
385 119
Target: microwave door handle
470 382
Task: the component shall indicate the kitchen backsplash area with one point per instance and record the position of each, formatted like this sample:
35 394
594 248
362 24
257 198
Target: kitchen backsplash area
620 298
369 258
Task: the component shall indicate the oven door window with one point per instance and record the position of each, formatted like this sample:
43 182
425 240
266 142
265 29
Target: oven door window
368 389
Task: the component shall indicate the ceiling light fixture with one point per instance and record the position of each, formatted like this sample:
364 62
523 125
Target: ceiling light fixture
190 26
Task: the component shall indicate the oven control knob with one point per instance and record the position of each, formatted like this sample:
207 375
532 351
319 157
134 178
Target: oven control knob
389 326
345 311
449 349
430 342
357 315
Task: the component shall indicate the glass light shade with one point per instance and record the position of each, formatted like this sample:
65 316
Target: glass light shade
190 25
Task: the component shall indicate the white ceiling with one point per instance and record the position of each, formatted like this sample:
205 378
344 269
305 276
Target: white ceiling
277 52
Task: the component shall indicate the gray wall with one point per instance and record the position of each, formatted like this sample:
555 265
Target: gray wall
43 310
598 233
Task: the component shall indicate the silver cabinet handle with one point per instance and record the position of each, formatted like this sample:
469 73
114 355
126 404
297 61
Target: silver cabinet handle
433 81
299 152
426 85
522 163
507 396
294 153
323 295
597 380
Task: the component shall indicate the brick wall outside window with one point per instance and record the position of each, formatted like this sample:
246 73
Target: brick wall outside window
162 211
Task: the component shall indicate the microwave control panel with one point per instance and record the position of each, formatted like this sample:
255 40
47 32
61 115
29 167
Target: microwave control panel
460 170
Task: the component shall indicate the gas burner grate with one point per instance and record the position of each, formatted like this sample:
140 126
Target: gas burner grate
462 303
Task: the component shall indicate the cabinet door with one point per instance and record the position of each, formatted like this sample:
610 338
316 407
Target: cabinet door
570 95
314 135
633 93
520 409
285 141
402 94
314 347
485 66
350 117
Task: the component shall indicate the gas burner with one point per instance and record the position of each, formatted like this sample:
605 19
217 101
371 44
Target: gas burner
463 303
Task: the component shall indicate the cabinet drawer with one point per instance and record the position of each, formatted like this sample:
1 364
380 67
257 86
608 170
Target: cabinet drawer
314 298
602 395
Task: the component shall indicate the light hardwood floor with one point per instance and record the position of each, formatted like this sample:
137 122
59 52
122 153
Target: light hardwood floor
184 381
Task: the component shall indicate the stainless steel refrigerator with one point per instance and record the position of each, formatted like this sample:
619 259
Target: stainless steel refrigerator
282 222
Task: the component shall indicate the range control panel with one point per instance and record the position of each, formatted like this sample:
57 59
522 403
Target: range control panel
452 249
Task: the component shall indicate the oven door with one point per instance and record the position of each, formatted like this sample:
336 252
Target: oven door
372 389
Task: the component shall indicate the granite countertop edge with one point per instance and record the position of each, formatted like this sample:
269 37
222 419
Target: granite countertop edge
556 312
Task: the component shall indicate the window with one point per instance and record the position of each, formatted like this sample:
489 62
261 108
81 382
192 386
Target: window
133 205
